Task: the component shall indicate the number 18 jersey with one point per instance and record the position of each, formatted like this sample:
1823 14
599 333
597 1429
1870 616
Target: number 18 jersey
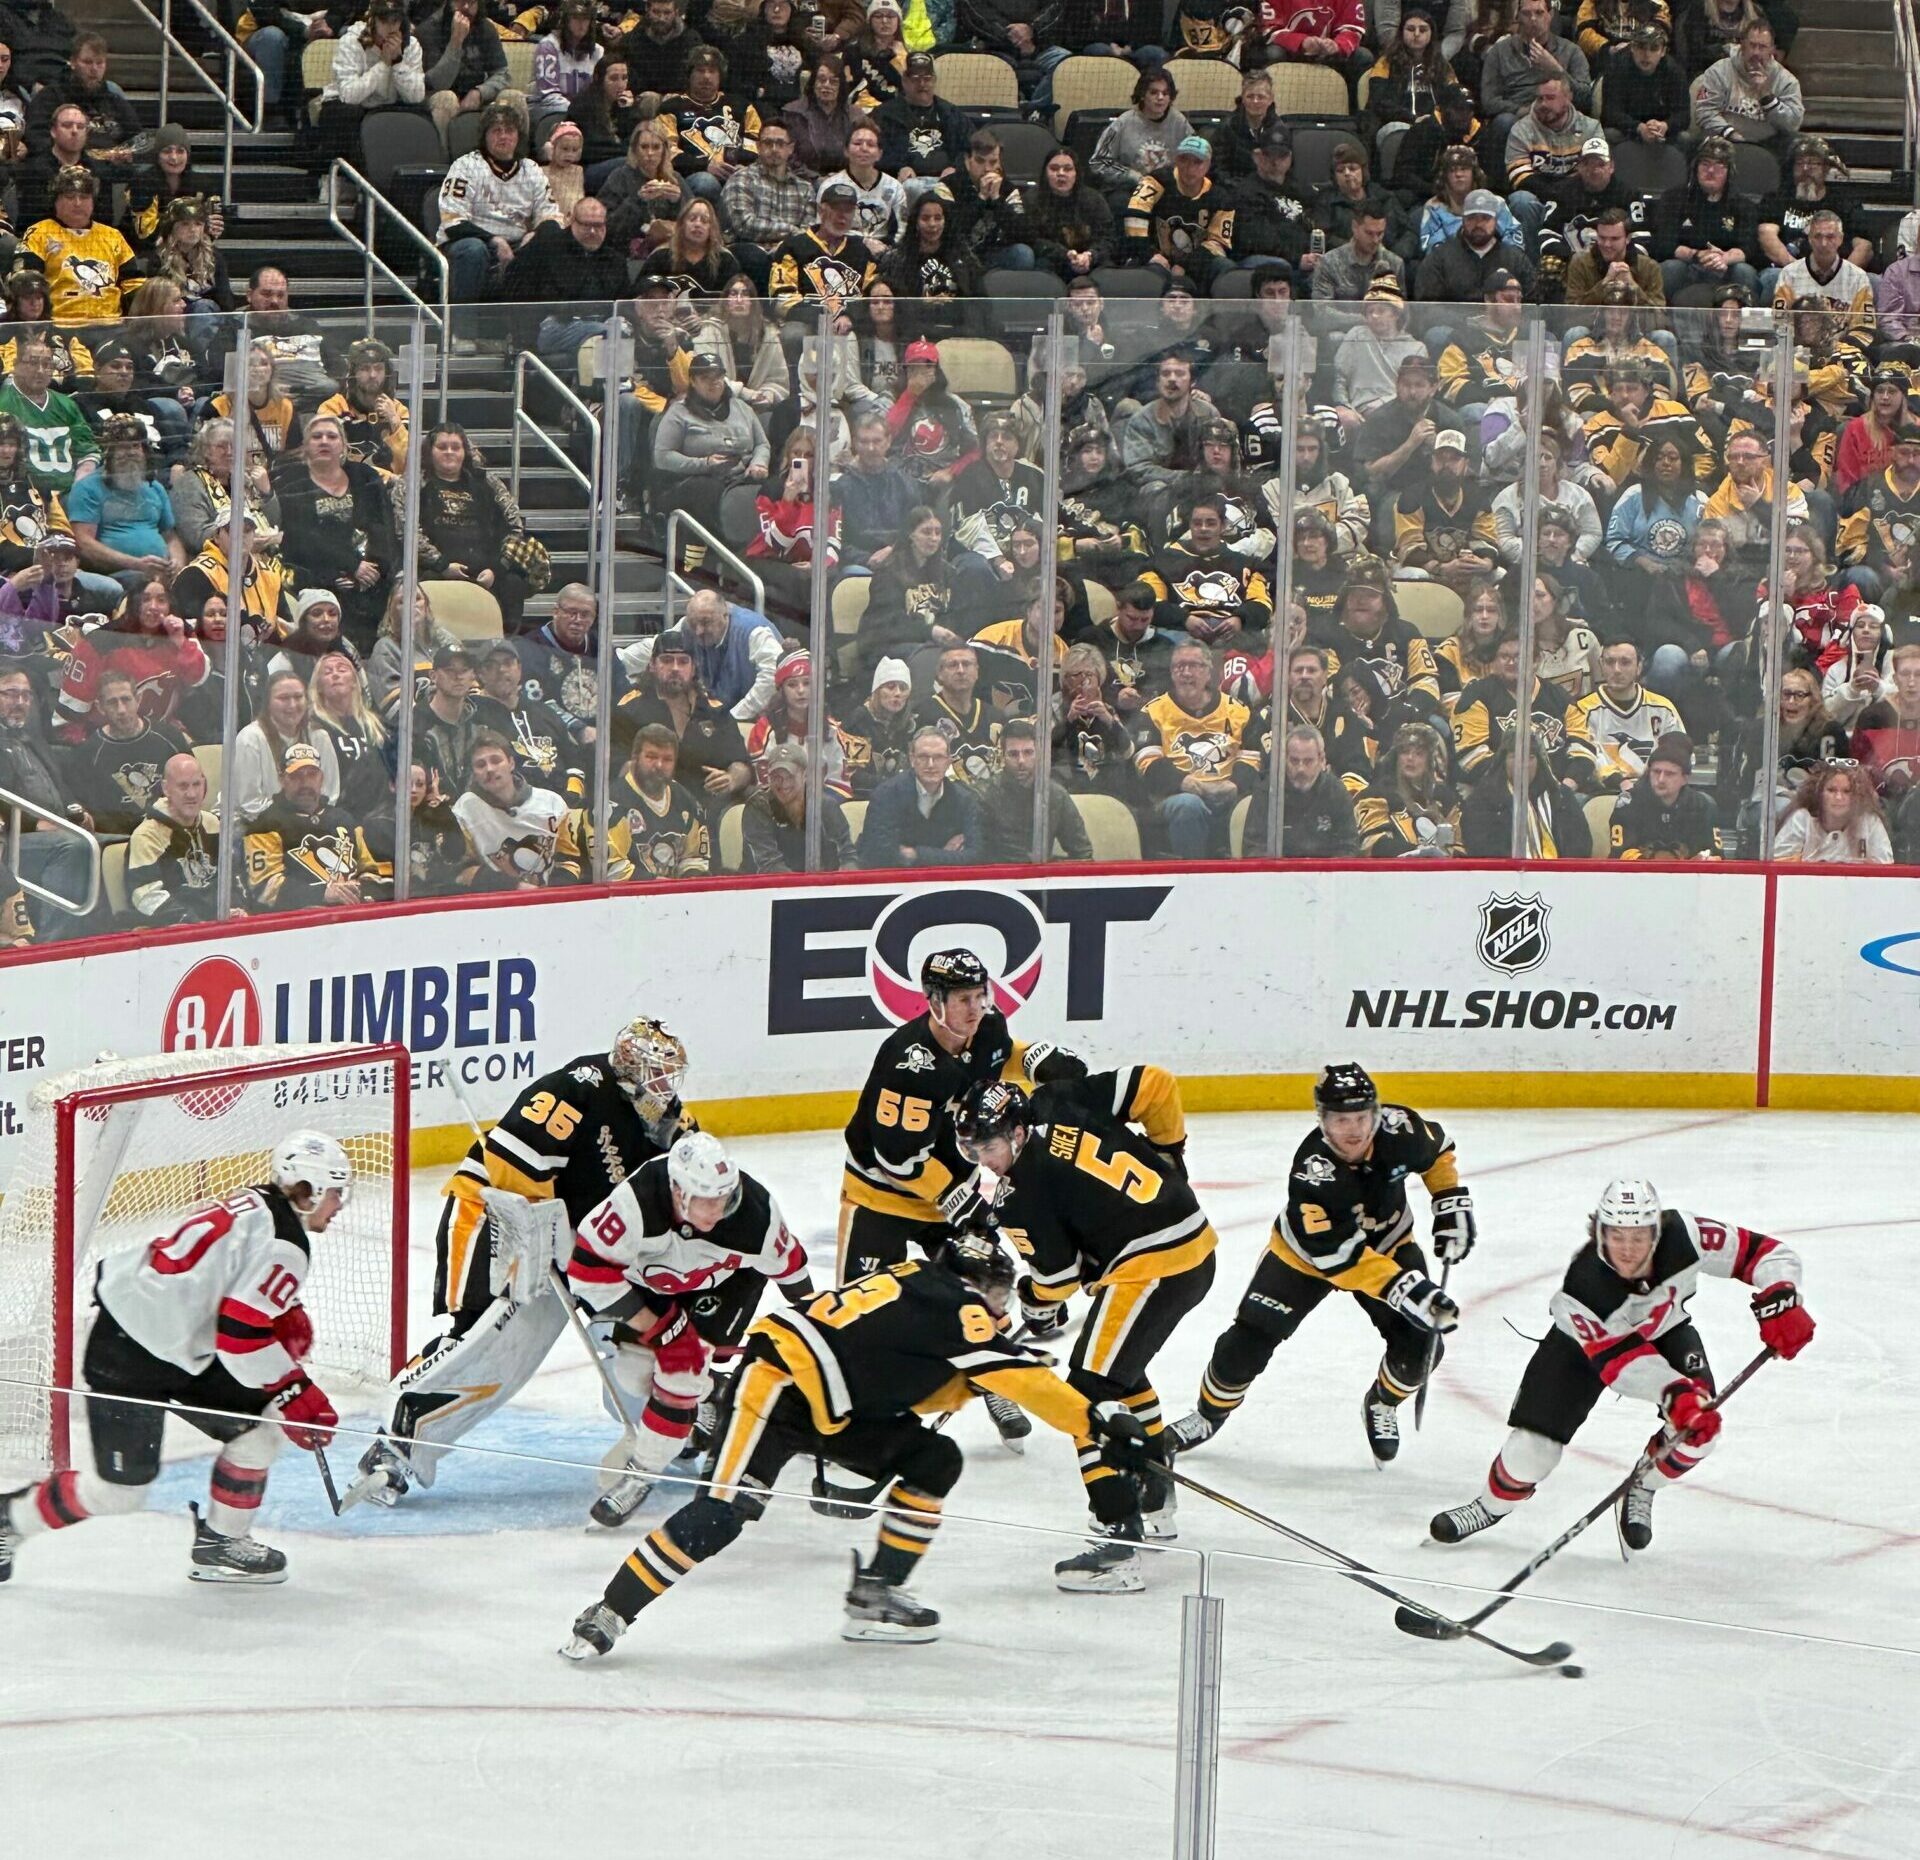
210 1290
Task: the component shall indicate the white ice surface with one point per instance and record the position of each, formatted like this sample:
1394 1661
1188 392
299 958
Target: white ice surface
1753 1683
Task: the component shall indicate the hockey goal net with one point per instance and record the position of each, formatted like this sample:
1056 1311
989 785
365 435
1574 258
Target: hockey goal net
117 1153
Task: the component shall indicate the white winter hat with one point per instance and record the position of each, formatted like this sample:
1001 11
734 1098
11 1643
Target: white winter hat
891 672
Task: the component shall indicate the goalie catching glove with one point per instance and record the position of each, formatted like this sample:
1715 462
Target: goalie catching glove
1785 1327
1041 1317
1416 1296
1454 1228
301 1405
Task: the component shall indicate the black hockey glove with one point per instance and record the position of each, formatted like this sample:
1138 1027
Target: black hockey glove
1415 1296
1043 1317
1121 1437
967 1207
1454 1228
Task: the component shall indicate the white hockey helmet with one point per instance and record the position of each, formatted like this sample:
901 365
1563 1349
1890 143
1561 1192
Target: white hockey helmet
699 1168
313 1159
1627 1201
649 1062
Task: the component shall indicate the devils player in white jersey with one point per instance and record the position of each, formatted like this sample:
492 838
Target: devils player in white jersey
207 1321
1620 1322
675 1258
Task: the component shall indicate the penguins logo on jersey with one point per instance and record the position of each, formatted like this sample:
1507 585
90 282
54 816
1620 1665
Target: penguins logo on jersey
541 751
917 1059
1317 1170
138 781
1212 587
1209 752
580 691
1666 536
1390 672
588 1075
1446 544
326 855
529 852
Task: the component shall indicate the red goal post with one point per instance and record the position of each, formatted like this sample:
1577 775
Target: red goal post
116 1154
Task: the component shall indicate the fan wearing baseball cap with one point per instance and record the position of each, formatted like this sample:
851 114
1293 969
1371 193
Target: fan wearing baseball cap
1447 531
1457 270
1178 220
829 263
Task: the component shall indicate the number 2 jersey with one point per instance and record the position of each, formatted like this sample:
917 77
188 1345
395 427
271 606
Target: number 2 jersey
634 1238
1088 1201
1617 1321
900 1150
210 1291
1345 1221
914 1338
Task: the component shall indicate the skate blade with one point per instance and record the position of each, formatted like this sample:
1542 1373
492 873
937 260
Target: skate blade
1100 1582
897 1632
264 1579
1168 1533
1015 1443
580 1652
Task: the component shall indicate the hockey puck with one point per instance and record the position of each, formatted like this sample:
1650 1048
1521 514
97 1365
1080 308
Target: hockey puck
1572 1672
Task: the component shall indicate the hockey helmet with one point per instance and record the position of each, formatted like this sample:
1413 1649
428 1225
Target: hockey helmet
700 1169
649 1063
980 1261
1345 1087
991 1109
1626 1201
949 969
313 1160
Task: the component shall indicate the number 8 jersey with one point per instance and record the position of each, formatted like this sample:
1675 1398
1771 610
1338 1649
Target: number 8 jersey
211 1290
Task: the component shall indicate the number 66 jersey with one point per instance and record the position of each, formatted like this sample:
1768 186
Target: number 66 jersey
210 1290
1616 1321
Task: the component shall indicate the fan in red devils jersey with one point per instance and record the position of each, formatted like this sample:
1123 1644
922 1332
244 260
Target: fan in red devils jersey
905 1183
1346 1227
207 1321
847 1379
1087 1203
1620 1323
573 1136
675 1260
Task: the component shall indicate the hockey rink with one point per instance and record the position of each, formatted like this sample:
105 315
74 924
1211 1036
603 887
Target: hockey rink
1752 1682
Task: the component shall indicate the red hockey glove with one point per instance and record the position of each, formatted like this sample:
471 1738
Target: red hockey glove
293 1331
1685 1406
1785 1327
308 1414
675 1344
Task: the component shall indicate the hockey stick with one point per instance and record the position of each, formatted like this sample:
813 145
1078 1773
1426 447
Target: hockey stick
1427 1626
1553 1655
1433 1359
326 1479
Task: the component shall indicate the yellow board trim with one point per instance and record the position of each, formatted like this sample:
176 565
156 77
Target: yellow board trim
1843 1091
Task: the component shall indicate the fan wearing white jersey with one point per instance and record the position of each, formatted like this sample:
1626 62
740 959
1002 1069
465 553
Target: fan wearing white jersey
1620 1322
675 1258
206 1321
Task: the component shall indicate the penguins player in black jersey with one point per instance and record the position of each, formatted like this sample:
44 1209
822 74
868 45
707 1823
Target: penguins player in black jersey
572 1136
1620 1323
1346 1227
847 1378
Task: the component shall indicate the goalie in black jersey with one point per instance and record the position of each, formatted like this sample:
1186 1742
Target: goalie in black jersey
1346 1227
905 1184
847 1379
1091 1203
573 1136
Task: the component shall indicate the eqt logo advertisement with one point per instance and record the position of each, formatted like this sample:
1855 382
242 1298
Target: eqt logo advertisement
849 961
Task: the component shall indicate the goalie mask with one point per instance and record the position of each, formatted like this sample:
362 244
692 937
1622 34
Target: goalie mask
699 1169
650 1064
309 1159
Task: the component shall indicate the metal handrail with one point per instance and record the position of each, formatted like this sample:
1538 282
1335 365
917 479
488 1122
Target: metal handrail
524 422
18 804
1906 38
236 56
676 583
375 204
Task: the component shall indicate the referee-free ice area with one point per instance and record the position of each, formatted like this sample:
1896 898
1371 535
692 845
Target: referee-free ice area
1752 1683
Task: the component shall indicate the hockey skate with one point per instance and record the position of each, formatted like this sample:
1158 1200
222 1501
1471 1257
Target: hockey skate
1010 1422
624 1497
1381 1419
879 1610
9 1537
1457 1525
593 1634
384 1477
1190 1431
232 1559
1110 1565
1159 1498
1634 1516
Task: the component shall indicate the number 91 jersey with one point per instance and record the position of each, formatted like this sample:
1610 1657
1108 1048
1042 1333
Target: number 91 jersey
210 1290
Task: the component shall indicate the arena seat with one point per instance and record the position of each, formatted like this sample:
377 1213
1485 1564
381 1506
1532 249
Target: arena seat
730 841
1432 606
211 757
113 877
978 365
1308 90
971 80
1237 826
466 610
1110 826
1084 82
1599 812
1205 84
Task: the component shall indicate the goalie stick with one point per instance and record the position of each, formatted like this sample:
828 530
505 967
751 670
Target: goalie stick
1553 1655
1425 1625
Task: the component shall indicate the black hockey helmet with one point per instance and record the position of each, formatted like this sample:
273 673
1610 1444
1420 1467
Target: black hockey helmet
992 1108
948 969
983 1263
1344 1087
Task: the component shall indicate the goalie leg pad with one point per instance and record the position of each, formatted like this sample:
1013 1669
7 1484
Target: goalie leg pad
459 1381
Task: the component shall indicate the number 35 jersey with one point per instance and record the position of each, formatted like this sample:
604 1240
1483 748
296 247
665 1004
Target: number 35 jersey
1617 1321
210 1290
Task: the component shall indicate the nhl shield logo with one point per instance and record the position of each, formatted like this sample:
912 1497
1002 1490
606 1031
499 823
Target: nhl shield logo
1513 933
